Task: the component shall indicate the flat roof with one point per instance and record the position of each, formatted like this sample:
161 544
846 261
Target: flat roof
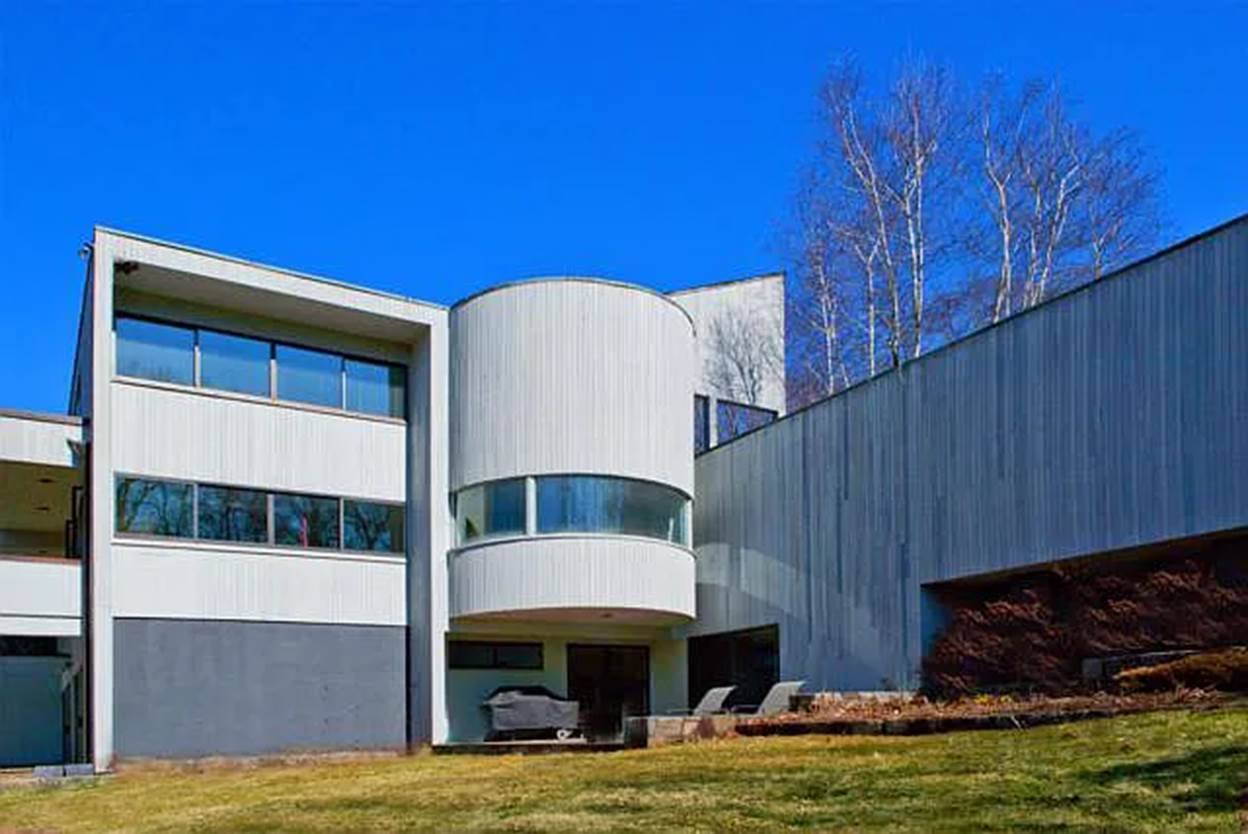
333 282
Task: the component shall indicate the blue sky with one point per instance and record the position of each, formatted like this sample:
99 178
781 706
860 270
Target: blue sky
433 150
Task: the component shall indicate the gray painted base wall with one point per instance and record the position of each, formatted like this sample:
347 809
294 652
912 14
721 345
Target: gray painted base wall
187 688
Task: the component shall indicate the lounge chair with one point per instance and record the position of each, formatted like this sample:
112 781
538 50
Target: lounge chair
712 702
776 701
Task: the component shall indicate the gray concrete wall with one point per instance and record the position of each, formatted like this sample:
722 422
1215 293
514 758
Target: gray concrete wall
195 687
30 710
1111 417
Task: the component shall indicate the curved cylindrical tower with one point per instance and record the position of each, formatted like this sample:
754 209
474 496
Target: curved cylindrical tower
571 453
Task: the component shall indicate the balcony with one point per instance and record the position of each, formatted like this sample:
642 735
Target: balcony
574 578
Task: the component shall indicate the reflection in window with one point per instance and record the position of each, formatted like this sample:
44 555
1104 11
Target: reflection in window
368 526
373 388
161 352
233 515
233 363
309 376
701 424
305 521
582 503
154 508
488 510
735 419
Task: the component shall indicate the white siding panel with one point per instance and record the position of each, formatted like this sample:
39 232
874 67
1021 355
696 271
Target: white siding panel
37 441
201 437
571 376
209 583
573 573
761 297
40 597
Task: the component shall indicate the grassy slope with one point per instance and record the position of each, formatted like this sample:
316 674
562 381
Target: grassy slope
1156 772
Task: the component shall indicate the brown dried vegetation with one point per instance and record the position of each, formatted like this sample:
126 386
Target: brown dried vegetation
1031 633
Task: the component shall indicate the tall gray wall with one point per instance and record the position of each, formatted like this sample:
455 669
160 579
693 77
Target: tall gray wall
1111 417
195 687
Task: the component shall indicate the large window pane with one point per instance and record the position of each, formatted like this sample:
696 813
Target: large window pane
495 509
735 419
154 508
233 363
473 654
587 504
234 515
305 521
701 424
374 388
367 526
309 376
155 351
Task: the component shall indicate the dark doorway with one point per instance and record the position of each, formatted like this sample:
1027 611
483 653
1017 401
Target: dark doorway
610 683
748 659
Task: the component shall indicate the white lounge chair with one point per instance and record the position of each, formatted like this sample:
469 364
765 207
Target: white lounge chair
776 701
712 702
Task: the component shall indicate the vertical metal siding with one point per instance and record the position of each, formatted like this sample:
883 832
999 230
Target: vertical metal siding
572 376
1112 417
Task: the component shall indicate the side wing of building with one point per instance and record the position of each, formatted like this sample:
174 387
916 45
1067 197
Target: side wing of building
1108 418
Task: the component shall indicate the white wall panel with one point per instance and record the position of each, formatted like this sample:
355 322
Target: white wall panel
761 297
208 438
38 439
40 597
589 577
207 582
571 376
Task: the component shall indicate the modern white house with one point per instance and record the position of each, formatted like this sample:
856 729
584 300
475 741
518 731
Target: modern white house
286 513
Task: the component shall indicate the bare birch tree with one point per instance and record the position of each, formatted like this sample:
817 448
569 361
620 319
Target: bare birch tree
997 200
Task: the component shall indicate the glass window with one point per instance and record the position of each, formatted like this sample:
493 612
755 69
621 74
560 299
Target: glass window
304 521
234 515
488 510
367 526
472 654
701 424
309 376
374 388
588 504
154 508
735 419
233 363
161 352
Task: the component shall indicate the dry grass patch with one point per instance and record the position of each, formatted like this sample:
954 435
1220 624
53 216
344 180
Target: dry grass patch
1170 771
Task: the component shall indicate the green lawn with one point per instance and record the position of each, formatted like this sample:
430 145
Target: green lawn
1158 772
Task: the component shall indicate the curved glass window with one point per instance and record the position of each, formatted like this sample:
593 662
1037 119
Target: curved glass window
596 504
487 510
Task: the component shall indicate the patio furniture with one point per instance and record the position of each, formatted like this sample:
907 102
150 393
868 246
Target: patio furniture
518 712
776 700
712 702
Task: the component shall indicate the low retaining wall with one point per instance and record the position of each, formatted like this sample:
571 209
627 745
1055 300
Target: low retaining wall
657 730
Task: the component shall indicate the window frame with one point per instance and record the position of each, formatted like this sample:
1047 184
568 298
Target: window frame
270 541
342 523
682 515
483 537
723 404
532 527
273 343
190 328
139 534
494 646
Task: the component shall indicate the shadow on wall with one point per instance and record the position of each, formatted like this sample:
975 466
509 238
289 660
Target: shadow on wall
831 640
